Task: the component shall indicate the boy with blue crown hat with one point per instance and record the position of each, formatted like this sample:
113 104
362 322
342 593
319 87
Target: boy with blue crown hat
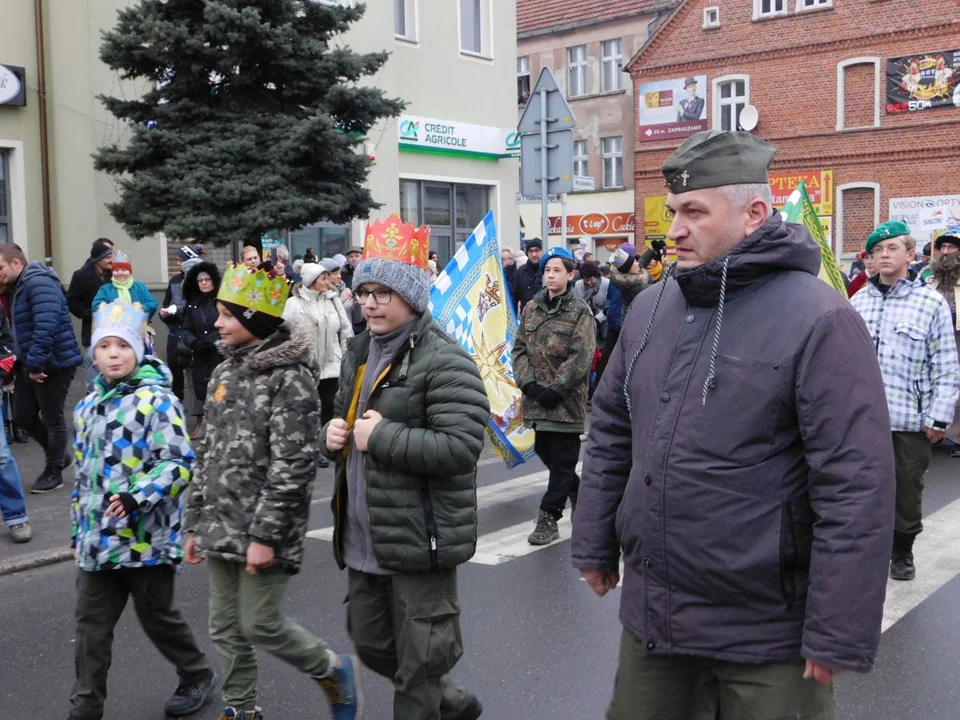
247 514
133 461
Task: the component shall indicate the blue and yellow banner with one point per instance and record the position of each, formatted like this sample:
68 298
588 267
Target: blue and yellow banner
470 300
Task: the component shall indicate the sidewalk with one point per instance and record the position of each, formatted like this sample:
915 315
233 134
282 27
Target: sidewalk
49 513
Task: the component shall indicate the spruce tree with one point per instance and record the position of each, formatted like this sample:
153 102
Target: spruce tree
253 122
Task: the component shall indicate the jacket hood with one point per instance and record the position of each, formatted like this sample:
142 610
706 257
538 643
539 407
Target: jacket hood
151 372
287 346
191 288
36 268
776 246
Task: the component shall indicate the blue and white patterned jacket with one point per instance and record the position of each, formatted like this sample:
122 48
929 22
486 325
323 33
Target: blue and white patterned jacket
912 330
130 438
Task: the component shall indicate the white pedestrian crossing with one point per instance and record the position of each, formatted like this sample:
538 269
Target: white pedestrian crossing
499 546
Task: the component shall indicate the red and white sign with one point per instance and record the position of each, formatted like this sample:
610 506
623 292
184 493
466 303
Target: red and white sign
594 224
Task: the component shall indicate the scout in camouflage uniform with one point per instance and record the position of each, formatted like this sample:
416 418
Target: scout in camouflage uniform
252 486
133 462
552 355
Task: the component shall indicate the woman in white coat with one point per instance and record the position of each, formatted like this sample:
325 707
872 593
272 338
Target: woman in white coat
316 307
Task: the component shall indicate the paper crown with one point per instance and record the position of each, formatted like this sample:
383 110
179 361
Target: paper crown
121 317
254 290
393 239
122 259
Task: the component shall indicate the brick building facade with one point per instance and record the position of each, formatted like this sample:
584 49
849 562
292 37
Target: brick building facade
816 72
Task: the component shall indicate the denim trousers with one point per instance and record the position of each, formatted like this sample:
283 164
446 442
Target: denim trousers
12 505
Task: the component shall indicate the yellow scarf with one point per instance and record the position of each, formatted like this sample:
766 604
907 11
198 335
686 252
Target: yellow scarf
123 289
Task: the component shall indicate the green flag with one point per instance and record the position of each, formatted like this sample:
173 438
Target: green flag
799 209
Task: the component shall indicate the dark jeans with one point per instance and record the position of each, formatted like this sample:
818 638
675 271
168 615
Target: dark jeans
911 450
101 598
328 393
407 629
679 687
38 409
559 452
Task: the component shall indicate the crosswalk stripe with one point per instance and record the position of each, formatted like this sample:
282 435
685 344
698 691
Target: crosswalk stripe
511 542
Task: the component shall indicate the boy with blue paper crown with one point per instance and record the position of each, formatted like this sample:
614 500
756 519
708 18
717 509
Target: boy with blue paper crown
133 462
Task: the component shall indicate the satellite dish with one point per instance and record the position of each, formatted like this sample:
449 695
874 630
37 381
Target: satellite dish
749 117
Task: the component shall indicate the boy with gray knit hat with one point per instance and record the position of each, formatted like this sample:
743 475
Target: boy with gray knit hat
407 433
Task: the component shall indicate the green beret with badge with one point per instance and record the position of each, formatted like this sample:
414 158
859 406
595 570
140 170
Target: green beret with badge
714 158
887 231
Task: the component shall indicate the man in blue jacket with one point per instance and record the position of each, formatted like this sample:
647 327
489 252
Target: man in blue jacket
47 354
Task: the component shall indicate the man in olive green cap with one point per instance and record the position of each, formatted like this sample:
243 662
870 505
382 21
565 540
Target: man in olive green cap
751 502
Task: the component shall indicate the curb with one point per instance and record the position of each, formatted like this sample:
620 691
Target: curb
35 560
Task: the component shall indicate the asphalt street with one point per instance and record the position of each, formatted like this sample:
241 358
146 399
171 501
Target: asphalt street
538 642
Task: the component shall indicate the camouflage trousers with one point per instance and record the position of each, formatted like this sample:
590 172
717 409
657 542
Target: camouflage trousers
407 629
679 687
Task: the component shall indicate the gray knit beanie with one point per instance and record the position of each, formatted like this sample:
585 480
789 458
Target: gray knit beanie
412 283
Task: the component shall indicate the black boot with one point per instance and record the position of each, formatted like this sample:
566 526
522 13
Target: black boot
50 479
20 435
901 559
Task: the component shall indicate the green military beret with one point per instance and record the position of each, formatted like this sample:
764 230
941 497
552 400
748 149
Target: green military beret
713 158
889 229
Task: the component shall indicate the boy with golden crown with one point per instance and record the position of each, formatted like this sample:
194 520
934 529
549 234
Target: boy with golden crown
133 462
254 476
407 432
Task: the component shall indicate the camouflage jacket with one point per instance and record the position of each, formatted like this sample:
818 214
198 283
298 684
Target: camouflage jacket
554 347
258 458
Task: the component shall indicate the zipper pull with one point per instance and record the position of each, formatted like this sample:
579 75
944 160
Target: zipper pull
433 542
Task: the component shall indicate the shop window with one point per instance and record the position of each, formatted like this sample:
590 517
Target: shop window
612 59
475 28
858 93
325 238
612 162
730 95
577 71
6 227
451 210
523 79
405 20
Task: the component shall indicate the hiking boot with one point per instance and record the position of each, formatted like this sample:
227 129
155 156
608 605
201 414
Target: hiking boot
67 459
323 462
49 480
21 532
901 566
230 713
188 699
342 687
546 530
472 711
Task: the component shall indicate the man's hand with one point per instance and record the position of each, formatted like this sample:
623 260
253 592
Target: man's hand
934 435
818 672
258 556
601 581
337 434
38 377
363 428
550 399
164 313
190 551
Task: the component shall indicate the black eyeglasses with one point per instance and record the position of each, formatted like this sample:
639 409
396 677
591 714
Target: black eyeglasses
382 296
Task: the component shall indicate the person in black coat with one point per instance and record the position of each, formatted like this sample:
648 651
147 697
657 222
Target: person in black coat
171 313
528 280
197 332
84 286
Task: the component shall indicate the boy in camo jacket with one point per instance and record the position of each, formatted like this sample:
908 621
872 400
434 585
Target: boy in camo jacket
552 356
253 480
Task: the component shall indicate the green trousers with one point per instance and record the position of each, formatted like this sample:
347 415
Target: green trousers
407 629
678 687
911 450
246 611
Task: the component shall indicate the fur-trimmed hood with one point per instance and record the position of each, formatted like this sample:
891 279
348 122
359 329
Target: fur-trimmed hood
191 288
289 345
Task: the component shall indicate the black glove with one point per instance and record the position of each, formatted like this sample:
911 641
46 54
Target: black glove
550 398
660 246
533 390
648 256
130 505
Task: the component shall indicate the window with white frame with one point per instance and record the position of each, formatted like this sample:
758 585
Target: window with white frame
405 20
612 162
577 71
769 8
523 79
858 93
730 95
612 78
711 17
580 166
6 226
813 4
475 28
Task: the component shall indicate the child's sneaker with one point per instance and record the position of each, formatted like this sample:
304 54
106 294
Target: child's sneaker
342 687
230 713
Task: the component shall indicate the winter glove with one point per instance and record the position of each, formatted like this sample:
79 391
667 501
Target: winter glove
6 369
533 390
550 398
660 246
130 505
